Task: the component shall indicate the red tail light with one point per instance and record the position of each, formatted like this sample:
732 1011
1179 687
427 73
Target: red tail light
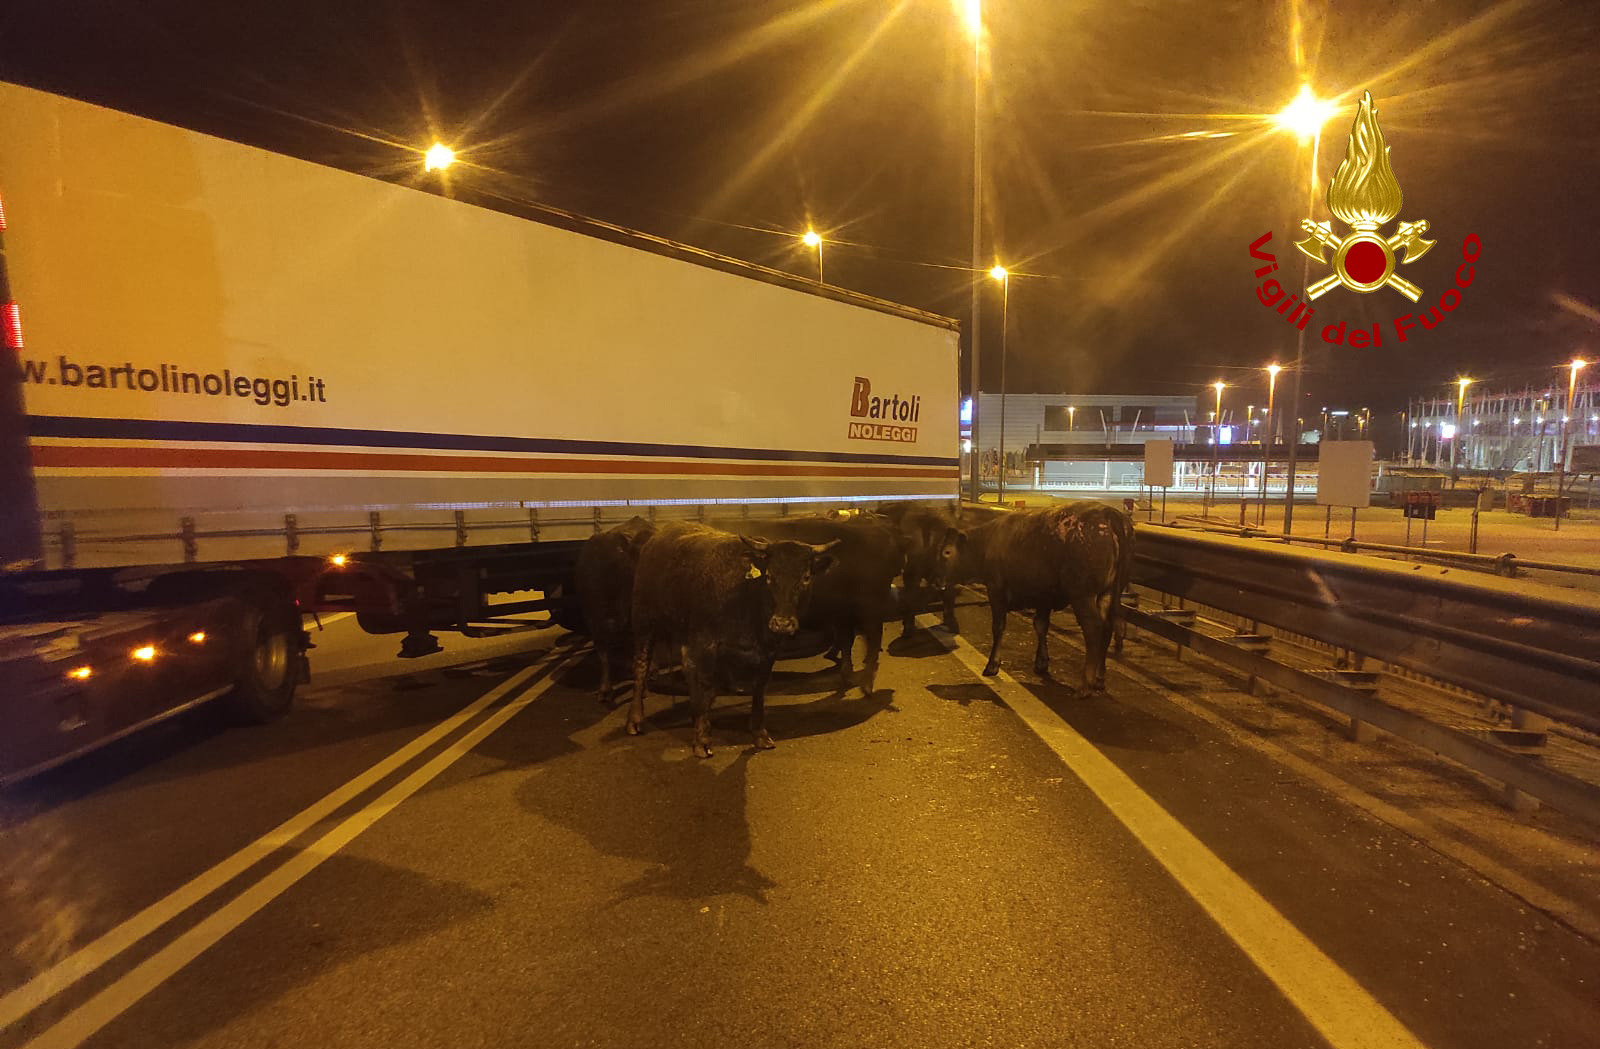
11 323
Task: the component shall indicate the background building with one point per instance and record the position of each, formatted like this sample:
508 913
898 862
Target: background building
1515 430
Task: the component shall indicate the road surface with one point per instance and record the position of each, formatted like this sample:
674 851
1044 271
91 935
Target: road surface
469 851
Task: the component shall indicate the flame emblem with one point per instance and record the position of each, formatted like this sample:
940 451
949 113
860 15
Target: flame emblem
1365 195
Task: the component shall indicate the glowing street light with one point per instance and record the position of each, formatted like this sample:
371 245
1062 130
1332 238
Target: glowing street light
971 12
999 273
1306 113
813 240
438 157
1302 117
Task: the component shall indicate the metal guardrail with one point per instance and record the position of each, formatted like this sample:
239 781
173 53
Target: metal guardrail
1531 646
1507 564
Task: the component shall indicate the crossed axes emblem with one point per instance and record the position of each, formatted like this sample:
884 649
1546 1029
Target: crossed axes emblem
1408 237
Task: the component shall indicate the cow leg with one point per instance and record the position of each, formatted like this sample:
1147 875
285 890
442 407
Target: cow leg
872 633
997 614
1110 628
1094 646
949 595
845 631
605 653
1041 631
701 696
642 650
910 600
758 708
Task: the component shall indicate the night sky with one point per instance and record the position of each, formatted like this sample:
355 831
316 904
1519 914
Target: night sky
1127 168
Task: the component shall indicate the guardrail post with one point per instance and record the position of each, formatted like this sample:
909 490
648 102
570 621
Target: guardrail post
291 534
375 529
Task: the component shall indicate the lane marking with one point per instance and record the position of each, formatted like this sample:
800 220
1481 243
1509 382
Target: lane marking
1559 908
1341 1010
84 1021
17 1003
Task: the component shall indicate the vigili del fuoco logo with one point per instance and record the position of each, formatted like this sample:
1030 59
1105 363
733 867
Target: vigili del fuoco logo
1365 196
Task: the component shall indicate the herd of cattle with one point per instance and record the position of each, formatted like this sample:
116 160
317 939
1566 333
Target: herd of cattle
724 599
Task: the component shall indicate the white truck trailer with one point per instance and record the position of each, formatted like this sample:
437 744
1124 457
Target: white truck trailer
239 387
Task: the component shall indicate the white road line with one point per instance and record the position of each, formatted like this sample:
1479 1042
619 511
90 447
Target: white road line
1551 902
16 1004
1335 1004
84 1021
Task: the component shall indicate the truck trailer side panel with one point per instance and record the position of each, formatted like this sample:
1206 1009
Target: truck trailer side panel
224 346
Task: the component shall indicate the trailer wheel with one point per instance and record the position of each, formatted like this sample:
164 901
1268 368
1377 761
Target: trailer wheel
267 658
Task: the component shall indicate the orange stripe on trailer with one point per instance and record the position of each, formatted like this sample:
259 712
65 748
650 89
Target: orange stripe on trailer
111 456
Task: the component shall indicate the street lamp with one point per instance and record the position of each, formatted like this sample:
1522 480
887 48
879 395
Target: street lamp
1461 397
438 157
813 240
1216 438
1304 117
971 12
1271 438
998 272
1577 365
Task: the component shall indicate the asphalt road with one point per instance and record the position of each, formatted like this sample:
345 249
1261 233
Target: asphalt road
470 851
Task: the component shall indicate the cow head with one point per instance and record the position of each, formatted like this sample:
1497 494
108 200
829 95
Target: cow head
786 568
954 564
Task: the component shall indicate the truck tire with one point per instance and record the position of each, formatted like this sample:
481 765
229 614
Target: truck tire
266 658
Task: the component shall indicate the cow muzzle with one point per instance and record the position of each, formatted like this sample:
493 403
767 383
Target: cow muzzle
783 626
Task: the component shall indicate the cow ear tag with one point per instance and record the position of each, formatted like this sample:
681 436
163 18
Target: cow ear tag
754 572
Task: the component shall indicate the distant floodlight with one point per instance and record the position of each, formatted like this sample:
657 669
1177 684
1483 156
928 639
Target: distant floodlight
999 273
811 238
438 157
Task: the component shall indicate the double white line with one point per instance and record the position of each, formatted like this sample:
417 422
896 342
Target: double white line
106 1005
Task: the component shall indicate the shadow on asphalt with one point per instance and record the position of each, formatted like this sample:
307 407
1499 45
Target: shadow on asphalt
919 644
649 801
396 906
966 694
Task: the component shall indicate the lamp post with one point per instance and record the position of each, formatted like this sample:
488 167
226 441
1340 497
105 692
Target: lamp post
1304 116
998 272
972 16
1216 440
1266 442
1577 365
1461 398
812 239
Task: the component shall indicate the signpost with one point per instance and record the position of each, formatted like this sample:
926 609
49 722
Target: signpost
1344 478
1158 469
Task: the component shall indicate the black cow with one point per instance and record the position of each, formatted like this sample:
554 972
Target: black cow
1078 555
723 601
853 598
604 582
921 528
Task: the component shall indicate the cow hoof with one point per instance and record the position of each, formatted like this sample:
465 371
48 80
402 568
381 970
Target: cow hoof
952 626
1043 672
633 727
991 670
701 750
764 741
